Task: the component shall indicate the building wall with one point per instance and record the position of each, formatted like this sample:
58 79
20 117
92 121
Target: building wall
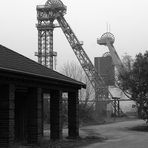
21 111
105 67
6 115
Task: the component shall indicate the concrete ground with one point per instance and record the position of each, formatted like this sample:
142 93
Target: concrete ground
128 134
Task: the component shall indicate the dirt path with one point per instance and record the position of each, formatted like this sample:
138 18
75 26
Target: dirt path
128 134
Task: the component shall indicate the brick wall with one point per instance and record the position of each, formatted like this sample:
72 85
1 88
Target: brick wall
6 115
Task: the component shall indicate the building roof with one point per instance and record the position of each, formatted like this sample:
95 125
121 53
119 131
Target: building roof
13 61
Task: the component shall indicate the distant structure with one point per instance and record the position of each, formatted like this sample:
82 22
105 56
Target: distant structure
108 39
105 67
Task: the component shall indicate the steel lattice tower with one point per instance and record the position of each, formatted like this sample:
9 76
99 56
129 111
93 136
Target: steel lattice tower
46 14
45 26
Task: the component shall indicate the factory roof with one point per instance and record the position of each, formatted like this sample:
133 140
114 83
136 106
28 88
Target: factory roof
13 61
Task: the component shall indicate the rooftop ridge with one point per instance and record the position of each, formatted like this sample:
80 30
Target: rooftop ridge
33 68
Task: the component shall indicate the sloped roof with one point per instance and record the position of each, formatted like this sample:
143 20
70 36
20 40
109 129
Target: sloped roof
13 61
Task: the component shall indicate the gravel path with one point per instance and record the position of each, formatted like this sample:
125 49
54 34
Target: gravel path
128 134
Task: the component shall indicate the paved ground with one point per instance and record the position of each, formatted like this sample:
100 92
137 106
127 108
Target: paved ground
128 134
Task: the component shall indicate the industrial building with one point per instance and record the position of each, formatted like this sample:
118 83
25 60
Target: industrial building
23 83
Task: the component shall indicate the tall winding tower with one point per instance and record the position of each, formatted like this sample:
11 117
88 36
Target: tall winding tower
46 16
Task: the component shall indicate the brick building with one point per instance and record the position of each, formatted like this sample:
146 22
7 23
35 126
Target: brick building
22 85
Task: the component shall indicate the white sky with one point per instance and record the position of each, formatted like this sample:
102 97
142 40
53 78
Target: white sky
88 18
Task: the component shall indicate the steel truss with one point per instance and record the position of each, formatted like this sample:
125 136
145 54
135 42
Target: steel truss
55 10
45 27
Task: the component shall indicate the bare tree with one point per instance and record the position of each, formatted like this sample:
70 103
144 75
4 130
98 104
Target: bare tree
86 96
73 70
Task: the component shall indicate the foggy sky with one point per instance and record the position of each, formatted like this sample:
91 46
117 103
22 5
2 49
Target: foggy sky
128 21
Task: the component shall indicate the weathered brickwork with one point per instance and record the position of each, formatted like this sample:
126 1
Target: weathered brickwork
39 114
55 115
73 118
16 106
35 125
11 114
7 96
